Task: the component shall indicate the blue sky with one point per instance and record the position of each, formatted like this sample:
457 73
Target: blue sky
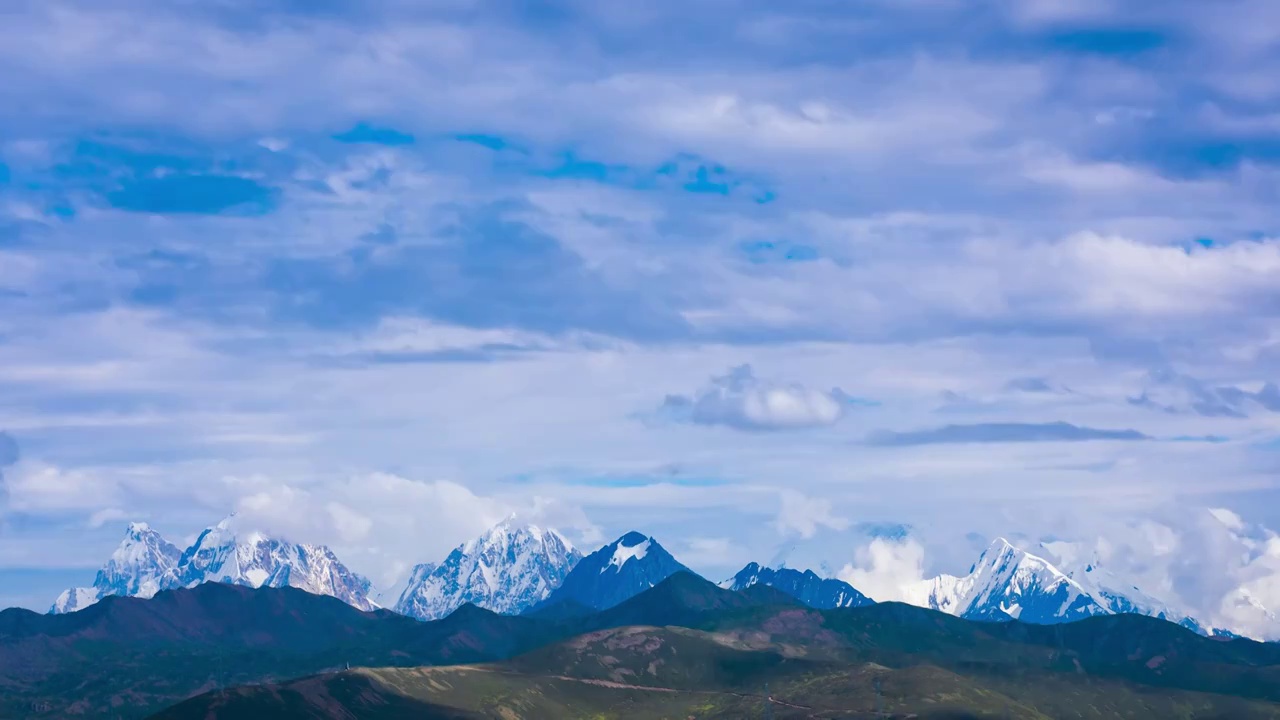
757 279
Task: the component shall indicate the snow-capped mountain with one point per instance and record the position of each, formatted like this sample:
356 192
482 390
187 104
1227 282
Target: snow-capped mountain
141 566
146 563
1118 596
221 554
508 569
616 572
807 587
1008 583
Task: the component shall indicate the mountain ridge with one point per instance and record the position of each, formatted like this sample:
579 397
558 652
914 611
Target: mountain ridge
145 564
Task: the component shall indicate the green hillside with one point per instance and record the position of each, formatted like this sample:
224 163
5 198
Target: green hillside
651 673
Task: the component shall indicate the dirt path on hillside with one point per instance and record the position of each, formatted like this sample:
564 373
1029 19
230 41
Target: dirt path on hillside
650 688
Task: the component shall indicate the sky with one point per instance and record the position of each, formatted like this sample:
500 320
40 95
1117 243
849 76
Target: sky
858 286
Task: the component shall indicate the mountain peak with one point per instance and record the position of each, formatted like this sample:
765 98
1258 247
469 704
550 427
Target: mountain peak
1000 547
1007 582
628 549
141 565
507 569
632 539
616 572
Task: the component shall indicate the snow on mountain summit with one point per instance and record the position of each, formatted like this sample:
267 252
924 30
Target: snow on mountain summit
141 566
622 551
508 569
616 572
222 554
145 563
1008 583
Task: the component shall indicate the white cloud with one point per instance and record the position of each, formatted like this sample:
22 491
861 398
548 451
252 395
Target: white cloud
41 488
884 568
740 400
710 552
804 515
1228 518
107 515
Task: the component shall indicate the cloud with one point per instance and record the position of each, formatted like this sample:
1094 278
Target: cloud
713 552
41 488
738 399
1000 433
804 515
1169 391
883 568
484 267
107 515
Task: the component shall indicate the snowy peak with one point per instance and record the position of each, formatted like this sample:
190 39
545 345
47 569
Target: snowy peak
1118 595
508 569
1008 583
252 558
141 566
617 572
145 563
806 586
632 546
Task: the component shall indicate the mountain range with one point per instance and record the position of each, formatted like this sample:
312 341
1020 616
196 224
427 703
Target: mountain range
684 647
518 569
805 586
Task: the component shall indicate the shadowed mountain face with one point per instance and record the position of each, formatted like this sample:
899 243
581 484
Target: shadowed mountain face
698 644
616 572
146 654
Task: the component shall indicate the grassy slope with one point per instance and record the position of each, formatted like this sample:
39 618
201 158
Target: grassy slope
649 672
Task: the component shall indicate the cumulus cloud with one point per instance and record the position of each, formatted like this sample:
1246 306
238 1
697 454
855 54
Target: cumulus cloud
1000 433
883 568
804 515
740 400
